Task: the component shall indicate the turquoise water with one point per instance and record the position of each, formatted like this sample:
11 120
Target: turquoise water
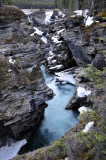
57 120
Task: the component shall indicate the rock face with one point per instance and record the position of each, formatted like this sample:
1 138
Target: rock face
73 43
37 18
23 93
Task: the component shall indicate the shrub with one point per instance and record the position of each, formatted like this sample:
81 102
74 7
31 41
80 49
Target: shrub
89 116
96 76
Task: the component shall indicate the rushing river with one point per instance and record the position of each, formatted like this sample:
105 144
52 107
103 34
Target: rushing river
57 120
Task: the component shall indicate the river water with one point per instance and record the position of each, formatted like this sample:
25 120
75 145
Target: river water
57 120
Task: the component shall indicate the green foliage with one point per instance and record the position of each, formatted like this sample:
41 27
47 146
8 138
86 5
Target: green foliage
7 2
104 18
57 150
1 17
95 139
59 144
101 135
71 6
67 4
86 3
17 158
34 3
103 39
104 52
96 77
88 116
29 158
104 25
86 138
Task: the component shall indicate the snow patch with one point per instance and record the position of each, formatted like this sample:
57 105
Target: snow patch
66 77
61 14
59 45
11 60
50 58
44 39
81 12
88 20
60 31
84 109
8 152
88 127
29 20
55 40
37 31
54 61
48 17
67 158
56 67
9 70
81 92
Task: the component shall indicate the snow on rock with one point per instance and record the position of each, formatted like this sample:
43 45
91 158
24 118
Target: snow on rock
81 12
11 60
58 32
67 158
37 31
84 109
81 92
54 61
50 58
55 40
29 20
56 67
44 39
61 14
51 53
27 11
88 127
9 70
88 20
8 152
48 17
66 77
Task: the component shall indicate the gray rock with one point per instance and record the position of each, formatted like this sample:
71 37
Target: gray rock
22 99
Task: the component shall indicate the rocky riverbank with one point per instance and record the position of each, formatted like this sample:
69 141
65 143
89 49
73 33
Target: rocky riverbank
23 90
75 144
62 43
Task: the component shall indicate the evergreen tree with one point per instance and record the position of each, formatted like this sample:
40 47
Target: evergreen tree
55 4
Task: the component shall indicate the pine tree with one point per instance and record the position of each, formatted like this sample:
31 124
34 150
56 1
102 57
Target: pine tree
55 4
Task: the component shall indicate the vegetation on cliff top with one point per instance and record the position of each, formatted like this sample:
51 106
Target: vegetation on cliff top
72 5
30 4
96 5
